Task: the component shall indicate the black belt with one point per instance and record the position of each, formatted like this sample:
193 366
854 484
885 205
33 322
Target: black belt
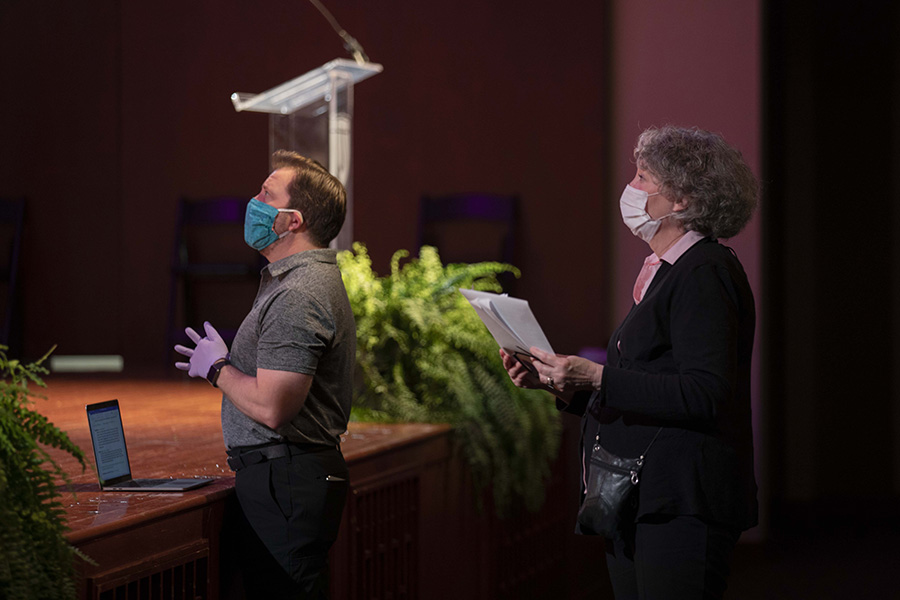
244 456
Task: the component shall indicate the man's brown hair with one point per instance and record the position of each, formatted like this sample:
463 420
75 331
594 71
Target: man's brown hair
316 193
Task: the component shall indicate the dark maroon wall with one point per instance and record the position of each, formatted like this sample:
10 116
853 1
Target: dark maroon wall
111 111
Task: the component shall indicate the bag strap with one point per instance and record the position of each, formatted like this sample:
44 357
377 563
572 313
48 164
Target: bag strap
658 431
641 458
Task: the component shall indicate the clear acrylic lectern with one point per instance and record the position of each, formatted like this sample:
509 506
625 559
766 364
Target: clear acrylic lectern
313 115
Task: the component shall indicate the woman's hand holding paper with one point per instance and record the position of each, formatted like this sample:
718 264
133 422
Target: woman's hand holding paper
559 374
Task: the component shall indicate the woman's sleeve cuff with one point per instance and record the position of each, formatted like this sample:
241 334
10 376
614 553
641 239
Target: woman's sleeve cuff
578 404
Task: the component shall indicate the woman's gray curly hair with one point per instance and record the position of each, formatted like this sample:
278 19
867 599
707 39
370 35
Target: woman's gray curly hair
701 169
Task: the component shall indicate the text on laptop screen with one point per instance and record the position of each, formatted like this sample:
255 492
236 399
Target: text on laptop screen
109 442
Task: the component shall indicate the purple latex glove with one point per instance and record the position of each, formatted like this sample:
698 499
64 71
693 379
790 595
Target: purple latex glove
208 350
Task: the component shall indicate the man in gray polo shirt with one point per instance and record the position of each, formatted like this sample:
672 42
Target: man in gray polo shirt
287 383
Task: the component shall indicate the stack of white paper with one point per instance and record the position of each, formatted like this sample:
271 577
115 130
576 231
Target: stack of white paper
509 320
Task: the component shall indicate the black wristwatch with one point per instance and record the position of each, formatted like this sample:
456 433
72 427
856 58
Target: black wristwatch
213 375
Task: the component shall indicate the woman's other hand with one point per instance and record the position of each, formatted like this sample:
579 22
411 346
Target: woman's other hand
566 374
521 375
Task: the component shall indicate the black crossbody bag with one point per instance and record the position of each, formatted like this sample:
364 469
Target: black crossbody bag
612 482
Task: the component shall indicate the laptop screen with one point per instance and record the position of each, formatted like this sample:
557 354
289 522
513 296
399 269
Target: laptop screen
108 439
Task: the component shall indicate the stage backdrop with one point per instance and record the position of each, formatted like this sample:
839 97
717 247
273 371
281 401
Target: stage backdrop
114 110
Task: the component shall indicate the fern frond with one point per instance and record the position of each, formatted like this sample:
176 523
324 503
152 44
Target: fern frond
424 355
35 558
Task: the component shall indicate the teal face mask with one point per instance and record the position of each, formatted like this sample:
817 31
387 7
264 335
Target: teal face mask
259 223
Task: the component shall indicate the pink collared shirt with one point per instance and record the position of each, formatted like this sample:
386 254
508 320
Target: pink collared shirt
652 262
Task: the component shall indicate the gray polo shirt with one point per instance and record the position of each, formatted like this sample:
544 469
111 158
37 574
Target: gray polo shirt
301 322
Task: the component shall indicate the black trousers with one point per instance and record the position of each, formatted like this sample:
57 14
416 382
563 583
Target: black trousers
671 558
291 510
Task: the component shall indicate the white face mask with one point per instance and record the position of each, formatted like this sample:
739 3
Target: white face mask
633 205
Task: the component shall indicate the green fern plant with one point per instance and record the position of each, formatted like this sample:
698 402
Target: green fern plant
36 561
425 356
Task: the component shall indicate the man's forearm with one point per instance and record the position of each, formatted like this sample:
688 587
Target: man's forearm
272 398
243 391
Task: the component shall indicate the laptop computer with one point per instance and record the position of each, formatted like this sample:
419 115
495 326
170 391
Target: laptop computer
111 455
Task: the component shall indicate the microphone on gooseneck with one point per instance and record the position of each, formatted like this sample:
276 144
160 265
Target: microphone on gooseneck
353 47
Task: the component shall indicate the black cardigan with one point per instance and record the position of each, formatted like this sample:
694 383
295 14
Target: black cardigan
681 361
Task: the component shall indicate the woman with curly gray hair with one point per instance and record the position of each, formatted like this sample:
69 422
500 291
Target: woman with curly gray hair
675 388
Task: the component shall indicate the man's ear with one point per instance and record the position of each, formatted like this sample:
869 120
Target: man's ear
297 223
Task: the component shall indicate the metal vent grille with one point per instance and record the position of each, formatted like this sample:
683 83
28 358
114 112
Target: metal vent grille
182 574
385 521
